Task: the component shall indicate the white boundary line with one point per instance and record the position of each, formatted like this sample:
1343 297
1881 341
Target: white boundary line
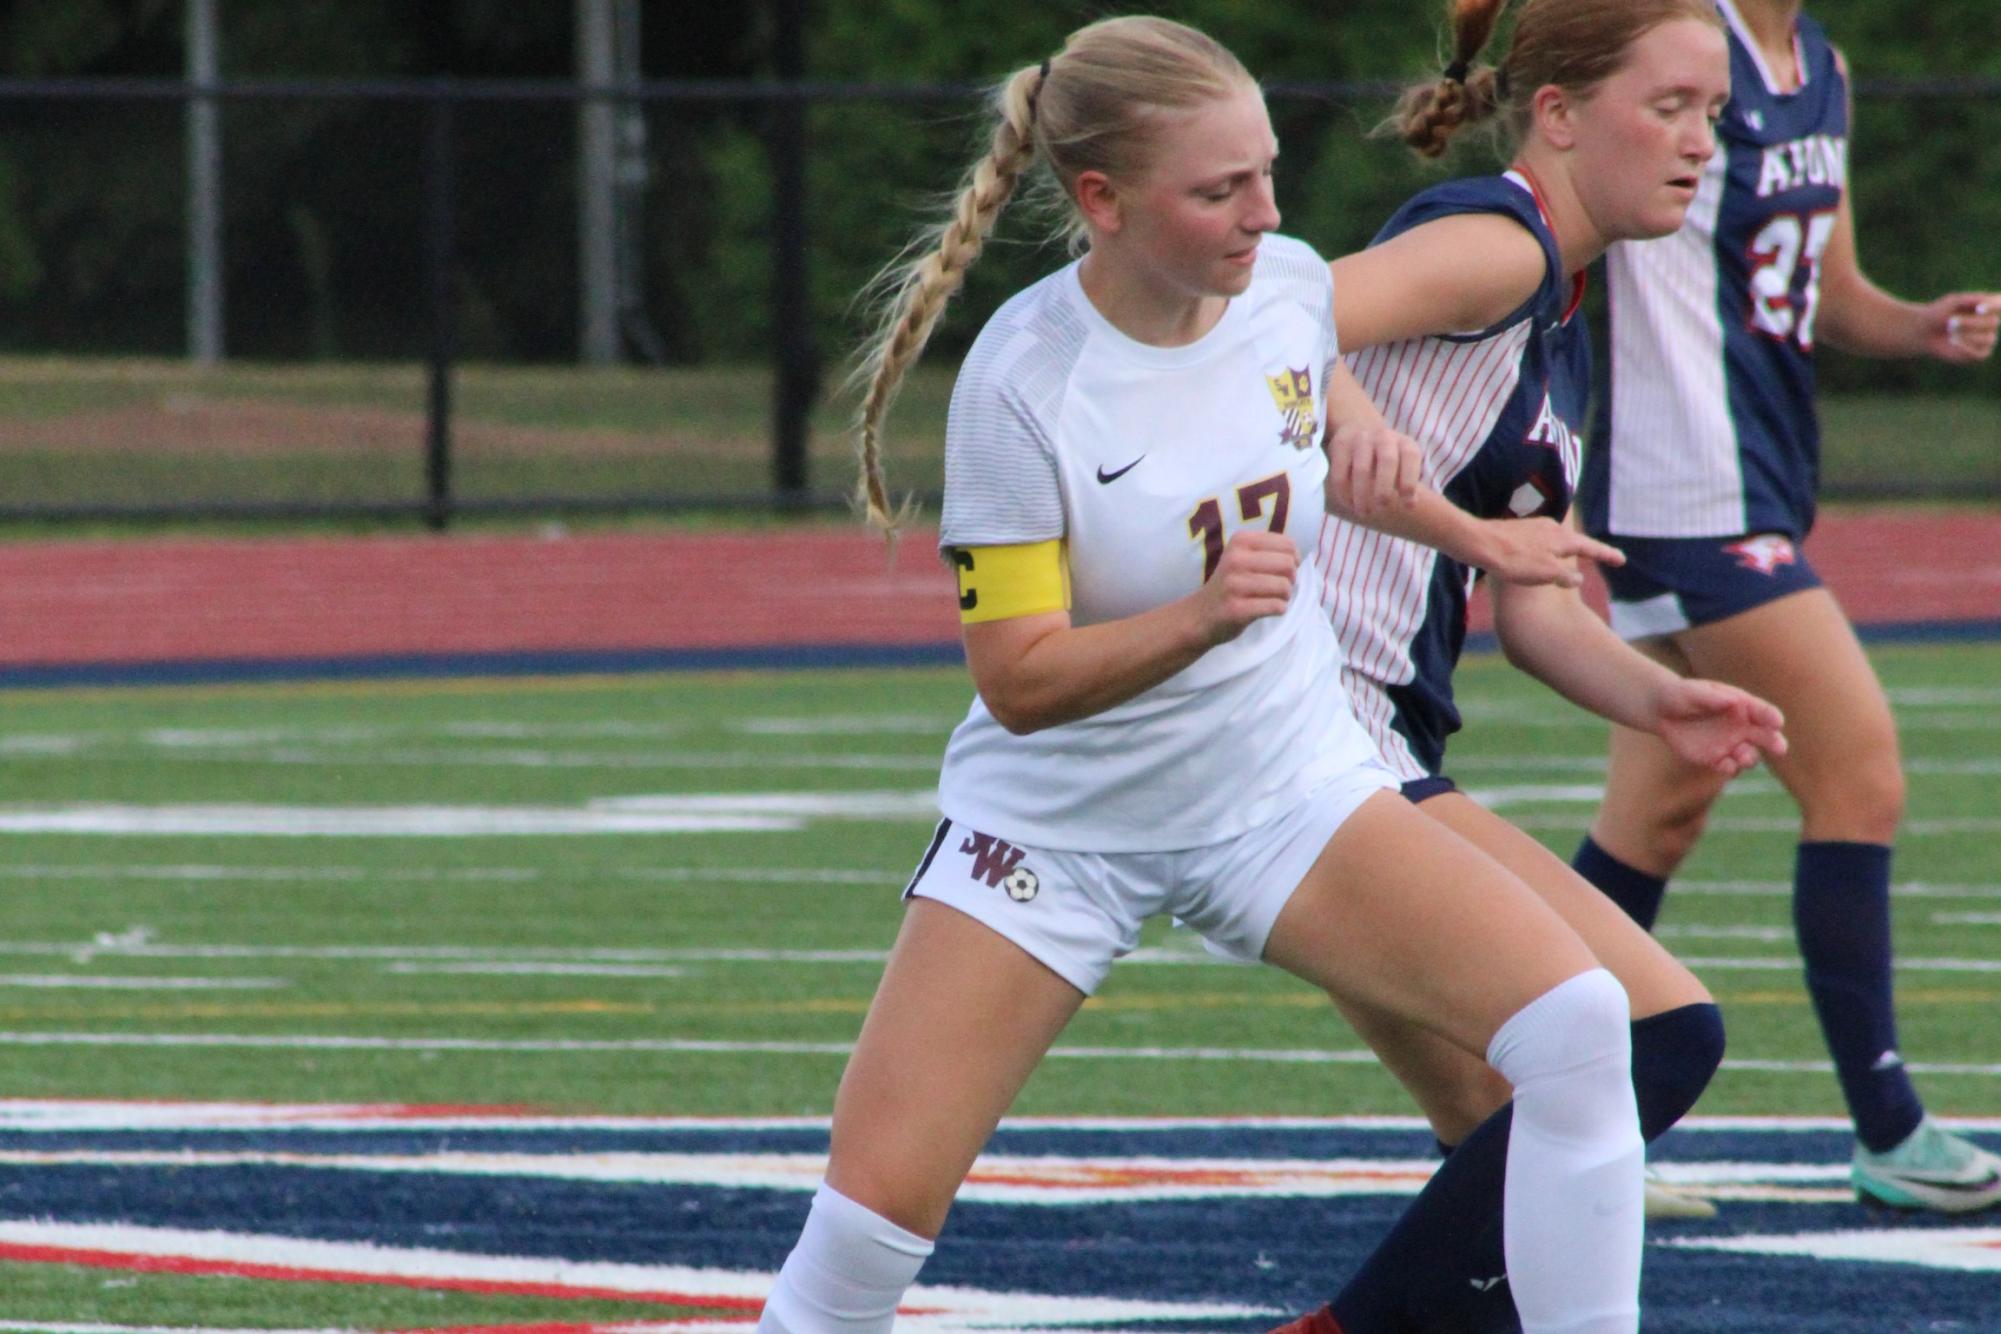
706 1047
67 1115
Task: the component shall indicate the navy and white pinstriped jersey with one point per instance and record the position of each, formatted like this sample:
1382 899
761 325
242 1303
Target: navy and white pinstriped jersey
1708 427
1498 413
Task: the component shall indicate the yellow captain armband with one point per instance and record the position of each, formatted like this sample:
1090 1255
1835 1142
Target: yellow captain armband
996 583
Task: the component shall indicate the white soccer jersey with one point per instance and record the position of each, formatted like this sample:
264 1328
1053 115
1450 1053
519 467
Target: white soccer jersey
1144 460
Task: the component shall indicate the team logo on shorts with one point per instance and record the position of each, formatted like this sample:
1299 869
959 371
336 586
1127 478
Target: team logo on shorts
998 862
1293 392
1765 553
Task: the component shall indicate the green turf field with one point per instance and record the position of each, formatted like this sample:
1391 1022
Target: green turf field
562 915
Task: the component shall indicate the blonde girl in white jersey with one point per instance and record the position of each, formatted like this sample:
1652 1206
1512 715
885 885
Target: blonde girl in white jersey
1134 463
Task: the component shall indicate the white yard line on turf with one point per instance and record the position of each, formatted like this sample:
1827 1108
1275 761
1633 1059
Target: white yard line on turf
70 1115
530 969
704 1047
58 981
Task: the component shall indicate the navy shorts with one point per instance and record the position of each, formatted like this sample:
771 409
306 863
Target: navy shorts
1417 791
1677 583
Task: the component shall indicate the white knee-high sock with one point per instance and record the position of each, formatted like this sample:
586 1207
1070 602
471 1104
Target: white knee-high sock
847 1273
1572 1223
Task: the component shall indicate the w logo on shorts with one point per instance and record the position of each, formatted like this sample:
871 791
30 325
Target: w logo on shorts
998 862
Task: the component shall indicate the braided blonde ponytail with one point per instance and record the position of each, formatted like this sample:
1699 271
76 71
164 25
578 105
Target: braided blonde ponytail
1093 107
920 288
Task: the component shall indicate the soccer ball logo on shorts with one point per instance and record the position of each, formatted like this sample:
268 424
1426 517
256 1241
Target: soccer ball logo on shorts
1292 391
1021 884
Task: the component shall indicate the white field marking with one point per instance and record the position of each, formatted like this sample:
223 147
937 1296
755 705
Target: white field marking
1966 919
765 875
617 729
1693 931
41 747
1911 889
476 758
851 724
1495 798
371 821
717 1047
920 804
1973 1249
68 1115
747 812
139 945
531 969
59 980
1932 697
722 875
273 874
175 738
1044 1179
1773 825
943 1308
1791 963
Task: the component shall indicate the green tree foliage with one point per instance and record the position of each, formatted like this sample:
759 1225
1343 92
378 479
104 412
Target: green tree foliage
325 202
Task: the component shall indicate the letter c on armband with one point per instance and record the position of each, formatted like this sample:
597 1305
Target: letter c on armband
997 583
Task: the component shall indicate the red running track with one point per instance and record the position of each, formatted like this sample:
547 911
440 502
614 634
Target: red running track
66 604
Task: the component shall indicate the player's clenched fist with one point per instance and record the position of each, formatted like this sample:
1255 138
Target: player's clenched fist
1253 580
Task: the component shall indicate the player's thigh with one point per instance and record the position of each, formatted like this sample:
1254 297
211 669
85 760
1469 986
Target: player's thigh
961 1019
1401 914
1654 980
1801 653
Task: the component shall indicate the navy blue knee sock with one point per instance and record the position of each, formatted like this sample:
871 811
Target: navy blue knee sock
1632 889
1434 1270
1841 909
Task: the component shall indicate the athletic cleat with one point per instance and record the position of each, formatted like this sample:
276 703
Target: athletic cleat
1314 1322
1665 1201
1931 1169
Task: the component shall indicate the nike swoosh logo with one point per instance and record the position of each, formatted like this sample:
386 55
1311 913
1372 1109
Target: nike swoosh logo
1114 476
1987 1182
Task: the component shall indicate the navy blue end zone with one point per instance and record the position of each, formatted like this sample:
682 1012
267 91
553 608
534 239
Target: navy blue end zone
1275 1253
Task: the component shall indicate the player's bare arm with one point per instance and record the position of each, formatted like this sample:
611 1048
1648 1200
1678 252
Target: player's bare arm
1552 635
1456 275
1039 670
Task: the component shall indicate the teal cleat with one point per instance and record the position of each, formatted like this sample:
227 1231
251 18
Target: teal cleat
1931 1169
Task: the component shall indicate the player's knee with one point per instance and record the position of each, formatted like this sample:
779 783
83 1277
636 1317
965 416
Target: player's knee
1859 802
1675 1055
891 1191
1575 1042
1675 826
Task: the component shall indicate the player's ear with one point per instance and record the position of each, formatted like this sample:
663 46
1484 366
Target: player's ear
1099 201
1553 114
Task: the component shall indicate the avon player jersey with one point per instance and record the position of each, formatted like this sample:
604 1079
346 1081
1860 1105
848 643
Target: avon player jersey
1497 412
1143 460
1708 428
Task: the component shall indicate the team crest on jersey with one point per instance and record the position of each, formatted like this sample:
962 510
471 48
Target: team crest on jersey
1293 392
1764 554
